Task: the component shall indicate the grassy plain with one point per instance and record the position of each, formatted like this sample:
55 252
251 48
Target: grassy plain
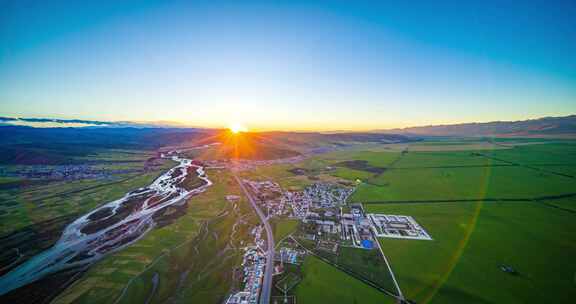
568 203
471 240
24 206
463 183
32 217
191 260
563 153
323 283
521 172
444 159
377 159
283 227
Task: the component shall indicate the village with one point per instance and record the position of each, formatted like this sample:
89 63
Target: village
252 266
80 171
63 172
325 215
326 220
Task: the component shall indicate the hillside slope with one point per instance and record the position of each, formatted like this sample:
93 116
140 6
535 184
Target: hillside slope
547 126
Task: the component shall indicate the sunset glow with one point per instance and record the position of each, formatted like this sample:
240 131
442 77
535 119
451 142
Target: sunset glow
288 66
237 128
337 152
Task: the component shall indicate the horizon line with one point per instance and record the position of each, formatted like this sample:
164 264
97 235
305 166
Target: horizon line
93 123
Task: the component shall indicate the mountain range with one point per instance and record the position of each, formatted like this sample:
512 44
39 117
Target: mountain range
545 127
541 127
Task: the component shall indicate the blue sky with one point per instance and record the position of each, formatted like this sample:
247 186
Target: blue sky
288 64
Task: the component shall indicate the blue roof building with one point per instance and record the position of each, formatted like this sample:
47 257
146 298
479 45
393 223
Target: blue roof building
367 244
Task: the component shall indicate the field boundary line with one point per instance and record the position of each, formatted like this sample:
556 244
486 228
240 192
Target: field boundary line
348 272
526 166
488 199
388 265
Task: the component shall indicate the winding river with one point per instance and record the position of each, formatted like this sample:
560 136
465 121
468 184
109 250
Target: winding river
111 226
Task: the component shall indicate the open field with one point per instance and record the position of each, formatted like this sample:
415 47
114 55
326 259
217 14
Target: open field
564 203
32 218
377 159
323 283
563 153
445 191
439 159
45 202
463 184
367 264
191 259
42 200
283 227
512 204
471 240
524 172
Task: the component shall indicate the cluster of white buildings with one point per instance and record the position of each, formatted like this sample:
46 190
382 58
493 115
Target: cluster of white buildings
276 202
253 265
269 196
316 196
323 195
290 255
300 205
356 228
397 226
64 172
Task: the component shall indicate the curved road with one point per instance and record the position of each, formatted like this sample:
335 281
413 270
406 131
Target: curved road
267 283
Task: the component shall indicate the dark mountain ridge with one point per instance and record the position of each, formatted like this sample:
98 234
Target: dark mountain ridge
546 126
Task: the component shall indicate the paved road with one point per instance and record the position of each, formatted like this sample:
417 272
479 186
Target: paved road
400 295
267 284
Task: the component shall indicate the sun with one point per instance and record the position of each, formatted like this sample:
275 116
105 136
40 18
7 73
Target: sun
237 128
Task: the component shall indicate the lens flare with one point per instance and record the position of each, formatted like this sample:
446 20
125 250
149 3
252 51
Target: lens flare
237 128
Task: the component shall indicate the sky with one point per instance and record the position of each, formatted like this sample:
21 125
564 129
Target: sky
288 65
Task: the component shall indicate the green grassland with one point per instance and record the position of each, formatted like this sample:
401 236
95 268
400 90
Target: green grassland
284 282
471 239
367 264
444 159
4 180
377 159
323 283
520 172
352 174
435 144
564 203
463 183
561 169
317 168
484 202
283 227
35 204
32 218
382 157
279 173
540 154
116 155
191 259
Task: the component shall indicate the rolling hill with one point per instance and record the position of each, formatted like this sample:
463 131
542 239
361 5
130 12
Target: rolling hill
541 127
